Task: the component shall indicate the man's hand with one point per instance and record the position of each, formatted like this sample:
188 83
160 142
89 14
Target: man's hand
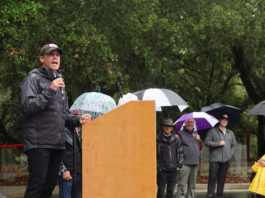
85 118
58 82
66 176
221 143
198 138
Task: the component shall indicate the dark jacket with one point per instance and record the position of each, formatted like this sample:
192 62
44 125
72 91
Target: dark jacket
191 147
44 111
67 157
169 153
220 153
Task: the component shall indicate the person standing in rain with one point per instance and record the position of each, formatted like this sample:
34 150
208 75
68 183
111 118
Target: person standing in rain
169 159
222 145
45 112
191 143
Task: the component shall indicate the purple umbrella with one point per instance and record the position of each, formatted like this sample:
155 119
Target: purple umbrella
202 120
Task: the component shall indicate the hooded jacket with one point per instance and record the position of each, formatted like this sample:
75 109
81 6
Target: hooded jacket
220 153
44 111
67 162
258 184
169 153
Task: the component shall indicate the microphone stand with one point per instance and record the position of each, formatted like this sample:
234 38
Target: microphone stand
118 83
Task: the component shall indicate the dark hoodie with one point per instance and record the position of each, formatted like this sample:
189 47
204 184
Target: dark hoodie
44 111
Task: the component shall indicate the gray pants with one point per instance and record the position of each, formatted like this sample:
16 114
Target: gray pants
188 175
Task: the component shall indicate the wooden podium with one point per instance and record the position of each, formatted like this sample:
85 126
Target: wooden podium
119 153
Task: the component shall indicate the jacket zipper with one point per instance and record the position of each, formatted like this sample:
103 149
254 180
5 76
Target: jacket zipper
170 156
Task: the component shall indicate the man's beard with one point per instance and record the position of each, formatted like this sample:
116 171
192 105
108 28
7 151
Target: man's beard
189 128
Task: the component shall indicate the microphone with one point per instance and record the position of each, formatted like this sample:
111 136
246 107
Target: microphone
61 88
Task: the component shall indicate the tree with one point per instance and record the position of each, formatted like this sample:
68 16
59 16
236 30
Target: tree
196 48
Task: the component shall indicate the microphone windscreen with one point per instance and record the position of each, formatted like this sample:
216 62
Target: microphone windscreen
58 75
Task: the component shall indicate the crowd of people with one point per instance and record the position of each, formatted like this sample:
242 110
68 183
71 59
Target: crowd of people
179 153
50 130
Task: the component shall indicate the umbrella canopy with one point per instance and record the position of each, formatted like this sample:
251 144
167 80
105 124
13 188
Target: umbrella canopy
258 109
93 103
165 99
218 110
202 120
127 98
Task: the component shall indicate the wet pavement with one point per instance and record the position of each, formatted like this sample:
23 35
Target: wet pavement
231 191
228 195
198 195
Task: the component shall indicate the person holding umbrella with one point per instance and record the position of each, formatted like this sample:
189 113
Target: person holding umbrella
192 144
222 144
169 159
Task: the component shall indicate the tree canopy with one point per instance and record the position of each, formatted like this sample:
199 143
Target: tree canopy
207 51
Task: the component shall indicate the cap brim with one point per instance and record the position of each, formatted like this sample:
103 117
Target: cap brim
167 124
50 50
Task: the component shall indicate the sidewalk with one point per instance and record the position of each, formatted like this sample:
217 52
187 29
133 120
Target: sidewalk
18 191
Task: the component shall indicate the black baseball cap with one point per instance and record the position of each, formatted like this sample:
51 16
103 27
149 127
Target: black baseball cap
224 117
49 48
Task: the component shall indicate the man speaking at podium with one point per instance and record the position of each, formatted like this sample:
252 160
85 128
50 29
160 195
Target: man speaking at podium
45 113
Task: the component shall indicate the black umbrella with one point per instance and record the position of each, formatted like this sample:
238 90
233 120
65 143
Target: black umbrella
258 109
218 109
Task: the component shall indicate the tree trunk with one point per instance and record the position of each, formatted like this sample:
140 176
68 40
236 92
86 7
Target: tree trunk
252 84
261 136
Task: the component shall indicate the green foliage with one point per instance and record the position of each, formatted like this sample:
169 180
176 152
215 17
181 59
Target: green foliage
207 51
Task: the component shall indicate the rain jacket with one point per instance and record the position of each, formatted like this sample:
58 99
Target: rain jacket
191 147
44 111
258 184
67 163
220 153
169 154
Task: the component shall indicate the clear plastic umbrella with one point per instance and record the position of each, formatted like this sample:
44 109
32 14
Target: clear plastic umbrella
94 103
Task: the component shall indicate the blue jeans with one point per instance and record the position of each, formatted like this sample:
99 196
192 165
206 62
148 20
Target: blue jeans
65 187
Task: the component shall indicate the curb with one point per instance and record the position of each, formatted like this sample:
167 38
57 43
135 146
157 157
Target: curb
15 191
229 187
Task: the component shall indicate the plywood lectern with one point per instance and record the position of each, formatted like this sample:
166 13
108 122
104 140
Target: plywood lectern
119 153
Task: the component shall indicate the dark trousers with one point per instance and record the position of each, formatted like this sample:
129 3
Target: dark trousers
217 173
43 172
168 178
